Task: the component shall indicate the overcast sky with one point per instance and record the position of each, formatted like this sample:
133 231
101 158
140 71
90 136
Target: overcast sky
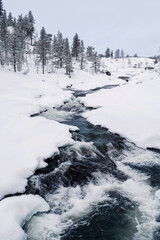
132 25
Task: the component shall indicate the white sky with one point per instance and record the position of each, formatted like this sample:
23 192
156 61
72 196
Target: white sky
132 25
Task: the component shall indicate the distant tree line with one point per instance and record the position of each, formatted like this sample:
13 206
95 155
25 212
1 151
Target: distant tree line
18 43
15 34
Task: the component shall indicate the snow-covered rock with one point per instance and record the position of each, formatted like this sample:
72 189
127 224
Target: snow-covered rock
15 212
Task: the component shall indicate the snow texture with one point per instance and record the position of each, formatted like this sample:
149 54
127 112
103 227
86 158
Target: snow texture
15 212
132 110
25 141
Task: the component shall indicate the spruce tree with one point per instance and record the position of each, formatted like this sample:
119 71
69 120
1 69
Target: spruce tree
4 34
112 54
135 55
42 48
67 57
75 47
30 26
122 54
22 36
82 49
117 53
1 8
15 48
96 62
90 53
60 45
17 44
107 53
10 20
54 46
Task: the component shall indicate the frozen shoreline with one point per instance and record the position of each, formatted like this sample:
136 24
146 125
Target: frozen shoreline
130 110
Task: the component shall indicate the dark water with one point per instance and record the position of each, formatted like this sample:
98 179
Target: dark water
83 93
85 184
125 78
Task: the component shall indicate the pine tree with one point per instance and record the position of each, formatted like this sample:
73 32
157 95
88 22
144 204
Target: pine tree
81 50
43 47
55 51
60 45
1 54
4 34
75 46
107 53
15 48
10 20
122 54
30 26
112 54
67 57
117 53
1 8
96 62
17 44
90 53
22 36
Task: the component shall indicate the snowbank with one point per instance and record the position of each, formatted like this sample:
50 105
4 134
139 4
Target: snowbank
131 110
85 80
24 141
15 212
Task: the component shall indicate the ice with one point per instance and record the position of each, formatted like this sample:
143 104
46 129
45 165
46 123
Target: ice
15 212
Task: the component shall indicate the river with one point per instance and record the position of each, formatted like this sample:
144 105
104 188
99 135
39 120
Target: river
100 188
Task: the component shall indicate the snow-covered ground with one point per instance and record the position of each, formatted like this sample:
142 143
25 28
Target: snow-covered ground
25 142
131 109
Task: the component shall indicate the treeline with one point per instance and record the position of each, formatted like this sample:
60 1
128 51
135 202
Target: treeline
14 34
18 42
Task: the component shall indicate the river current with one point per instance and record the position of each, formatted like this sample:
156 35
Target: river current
100 188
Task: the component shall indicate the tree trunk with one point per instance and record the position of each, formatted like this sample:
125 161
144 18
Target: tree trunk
14 61
43 66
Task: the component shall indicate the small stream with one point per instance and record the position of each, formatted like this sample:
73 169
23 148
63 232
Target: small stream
100 188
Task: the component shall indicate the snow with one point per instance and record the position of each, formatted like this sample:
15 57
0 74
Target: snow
157 194
86 79
132 110
15 212
25 141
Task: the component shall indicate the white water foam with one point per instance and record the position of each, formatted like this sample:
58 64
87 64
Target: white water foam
70 204
138 189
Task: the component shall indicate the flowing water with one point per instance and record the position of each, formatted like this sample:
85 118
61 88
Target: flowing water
100 188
